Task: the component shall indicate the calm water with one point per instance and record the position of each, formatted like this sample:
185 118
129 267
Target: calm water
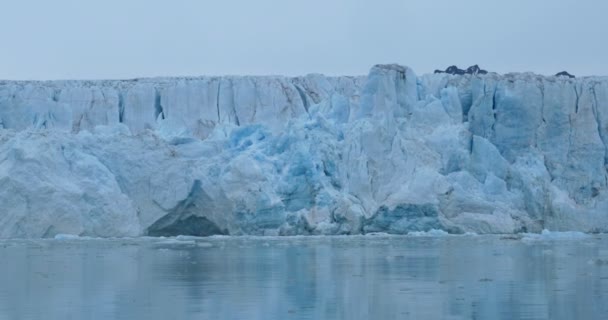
464 277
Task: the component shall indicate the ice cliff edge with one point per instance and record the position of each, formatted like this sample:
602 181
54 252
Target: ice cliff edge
390 152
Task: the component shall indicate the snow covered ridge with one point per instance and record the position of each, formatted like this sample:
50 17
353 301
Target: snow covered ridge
390 152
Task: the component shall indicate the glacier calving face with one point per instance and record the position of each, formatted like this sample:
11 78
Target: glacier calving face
390 152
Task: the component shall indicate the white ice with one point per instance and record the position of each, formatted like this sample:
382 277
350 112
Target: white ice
391 152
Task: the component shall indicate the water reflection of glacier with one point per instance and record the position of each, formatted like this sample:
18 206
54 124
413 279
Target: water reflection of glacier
451 277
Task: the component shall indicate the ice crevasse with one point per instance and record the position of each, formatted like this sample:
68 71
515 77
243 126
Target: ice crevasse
388 152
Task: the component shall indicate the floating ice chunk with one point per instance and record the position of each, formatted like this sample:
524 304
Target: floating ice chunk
67 236
378 234
430 233
173 241
547 235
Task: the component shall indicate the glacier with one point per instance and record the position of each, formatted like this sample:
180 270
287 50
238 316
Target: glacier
389 152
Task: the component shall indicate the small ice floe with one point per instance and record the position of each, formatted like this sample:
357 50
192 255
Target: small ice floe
220 236
176 241
187 238
430 233
378 234
67 236
555 235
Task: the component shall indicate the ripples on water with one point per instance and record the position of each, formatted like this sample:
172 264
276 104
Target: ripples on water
455 277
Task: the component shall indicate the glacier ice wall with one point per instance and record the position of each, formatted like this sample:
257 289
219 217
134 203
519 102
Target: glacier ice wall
389 152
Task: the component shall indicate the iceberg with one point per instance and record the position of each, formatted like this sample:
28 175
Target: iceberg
390 152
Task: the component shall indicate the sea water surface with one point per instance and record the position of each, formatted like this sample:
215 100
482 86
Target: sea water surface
359 277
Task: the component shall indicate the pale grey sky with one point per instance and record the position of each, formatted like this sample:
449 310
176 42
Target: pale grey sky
97 39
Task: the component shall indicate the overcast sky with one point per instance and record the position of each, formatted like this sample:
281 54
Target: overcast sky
96 39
